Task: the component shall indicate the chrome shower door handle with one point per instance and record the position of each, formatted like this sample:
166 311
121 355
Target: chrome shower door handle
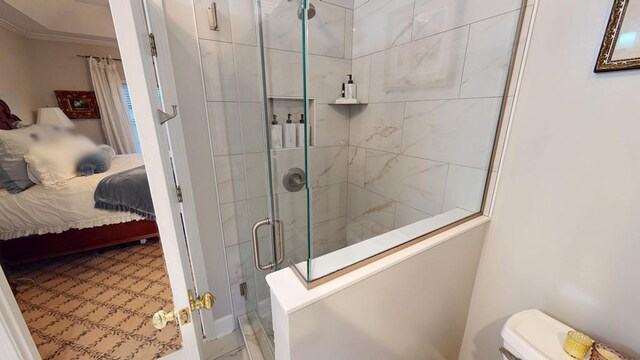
280 241
256 248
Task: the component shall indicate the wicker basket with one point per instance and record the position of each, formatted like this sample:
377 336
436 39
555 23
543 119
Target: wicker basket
603 352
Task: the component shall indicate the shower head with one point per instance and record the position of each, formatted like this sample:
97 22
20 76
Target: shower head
311 10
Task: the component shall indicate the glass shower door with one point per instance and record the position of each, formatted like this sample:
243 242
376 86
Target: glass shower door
278 195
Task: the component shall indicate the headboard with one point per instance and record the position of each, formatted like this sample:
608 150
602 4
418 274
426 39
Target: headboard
6 117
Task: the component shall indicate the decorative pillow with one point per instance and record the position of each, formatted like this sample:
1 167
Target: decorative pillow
97 161
52 163
19 125
14 145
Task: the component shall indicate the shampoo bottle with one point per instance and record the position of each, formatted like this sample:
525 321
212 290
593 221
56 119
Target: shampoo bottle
300 132
276 133
289 133
350 91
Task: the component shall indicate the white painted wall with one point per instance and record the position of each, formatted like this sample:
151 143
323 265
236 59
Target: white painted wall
16 86
565 232
55 66
32 69
409 305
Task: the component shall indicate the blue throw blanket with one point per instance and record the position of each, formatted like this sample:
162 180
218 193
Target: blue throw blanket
127 191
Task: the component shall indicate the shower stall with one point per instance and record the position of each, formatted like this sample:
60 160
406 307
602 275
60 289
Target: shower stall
410 152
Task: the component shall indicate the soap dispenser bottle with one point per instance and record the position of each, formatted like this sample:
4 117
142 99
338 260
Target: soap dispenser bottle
289 133
300 132
276 133
350 91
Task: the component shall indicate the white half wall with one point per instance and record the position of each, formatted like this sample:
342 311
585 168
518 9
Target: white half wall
409 305
565 235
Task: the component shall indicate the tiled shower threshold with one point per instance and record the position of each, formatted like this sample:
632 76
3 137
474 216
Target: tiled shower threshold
255 337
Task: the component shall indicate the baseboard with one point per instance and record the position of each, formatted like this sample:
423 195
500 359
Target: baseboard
225 325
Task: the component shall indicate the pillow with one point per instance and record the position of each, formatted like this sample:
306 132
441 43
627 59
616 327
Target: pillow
52 163
97 161
14 145
19 125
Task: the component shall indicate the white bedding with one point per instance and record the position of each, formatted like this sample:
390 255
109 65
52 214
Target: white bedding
40 211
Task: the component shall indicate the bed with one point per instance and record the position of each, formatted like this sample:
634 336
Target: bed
43 223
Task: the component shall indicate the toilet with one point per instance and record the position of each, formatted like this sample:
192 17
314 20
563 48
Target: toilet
533 335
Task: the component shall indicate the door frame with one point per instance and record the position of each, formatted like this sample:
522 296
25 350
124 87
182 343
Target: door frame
166 76
133 42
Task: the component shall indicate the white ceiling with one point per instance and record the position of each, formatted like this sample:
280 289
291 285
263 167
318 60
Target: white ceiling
65 20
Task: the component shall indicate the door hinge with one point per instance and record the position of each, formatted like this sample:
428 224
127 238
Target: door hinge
243 290
152 45
179 193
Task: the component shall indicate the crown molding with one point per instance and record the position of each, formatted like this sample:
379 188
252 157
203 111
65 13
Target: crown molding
71 39
13 28
51 37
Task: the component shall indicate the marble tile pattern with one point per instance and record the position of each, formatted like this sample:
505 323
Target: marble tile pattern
432 73
436 16
348 4
232 76
457 131
332 125
417 182
377 126
357 158
430 68
283 29
381 24
224 20
488 56
465 187
371 210
219 70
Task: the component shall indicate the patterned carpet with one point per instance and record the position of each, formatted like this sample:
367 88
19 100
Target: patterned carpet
98 305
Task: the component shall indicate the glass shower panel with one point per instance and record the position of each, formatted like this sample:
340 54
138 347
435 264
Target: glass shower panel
291 119
407 148
264 205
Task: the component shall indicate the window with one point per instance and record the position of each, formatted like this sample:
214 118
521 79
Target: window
132 119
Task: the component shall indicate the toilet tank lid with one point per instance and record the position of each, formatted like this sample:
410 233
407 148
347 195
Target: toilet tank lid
536 336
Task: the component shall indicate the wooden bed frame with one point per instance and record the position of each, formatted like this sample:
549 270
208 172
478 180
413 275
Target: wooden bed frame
39 247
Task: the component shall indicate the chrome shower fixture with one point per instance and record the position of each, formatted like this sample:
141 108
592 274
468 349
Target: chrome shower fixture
311 10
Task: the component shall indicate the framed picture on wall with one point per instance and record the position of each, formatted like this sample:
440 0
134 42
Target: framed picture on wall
78 104
620 48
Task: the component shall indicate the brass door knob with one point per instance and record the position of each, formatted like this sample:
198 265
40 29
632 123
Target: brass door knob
162 318
205 301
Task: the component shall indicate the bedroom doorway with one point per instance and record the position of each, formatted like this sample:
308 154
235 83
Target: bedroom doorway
101 304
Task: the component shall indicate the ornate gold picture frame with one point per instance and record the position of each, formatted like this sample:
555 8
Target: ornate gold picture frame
78 104
620 48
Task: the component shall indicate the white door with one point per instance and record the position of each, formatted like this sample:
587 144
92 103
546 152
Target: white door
133 20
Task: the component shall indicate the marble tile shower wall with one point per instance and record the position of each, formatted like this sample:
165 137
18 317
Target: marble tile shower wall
433 73
231 71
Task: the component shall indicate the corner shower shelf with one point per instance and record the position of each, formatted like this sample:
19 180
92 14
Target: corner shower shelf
353 102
